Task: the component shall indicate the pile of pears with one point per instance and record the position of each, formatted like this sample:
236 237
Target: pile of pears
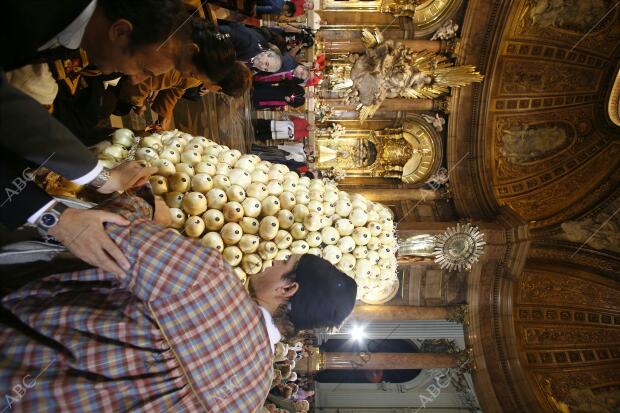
255 212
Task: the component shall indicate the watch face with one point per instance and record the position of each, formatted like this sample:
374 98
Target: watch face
48 220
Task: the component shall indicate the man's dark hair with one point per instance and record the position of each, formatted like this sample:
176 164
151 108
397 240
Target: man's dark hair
217 55
289 9
153 20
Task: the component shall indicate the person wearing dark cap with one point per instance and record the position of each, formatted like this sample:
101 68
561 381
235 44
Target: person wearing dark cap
303 293
173 333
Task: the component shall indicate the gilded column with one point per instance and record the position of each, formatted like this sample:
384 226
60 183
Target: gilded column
395 104
396 194
356 45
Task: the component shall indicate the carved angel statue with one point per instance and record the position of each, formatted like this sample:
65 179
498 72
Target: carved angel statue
447 31
334 131
333 174
436 121
391 70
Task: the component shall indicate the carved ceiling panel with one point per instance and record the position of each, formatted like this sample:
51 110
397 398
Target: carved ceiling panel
567 21
551 159
568 333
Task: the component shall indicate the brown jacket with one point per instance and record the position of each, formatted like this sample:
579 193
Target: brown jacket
171 86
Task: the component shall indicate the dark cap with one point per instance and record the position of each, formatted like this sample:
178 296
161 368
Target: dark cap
326 295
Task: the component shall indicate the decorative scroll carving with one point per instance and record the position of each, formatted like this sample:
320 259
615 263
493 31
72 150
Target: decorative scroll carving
586 259
541 287
522 77
400 8
581 391
459 313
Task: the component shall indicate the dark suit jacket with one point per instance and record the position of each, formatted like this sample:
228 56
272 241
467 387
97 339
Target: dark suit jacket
29 136
247 42
29 24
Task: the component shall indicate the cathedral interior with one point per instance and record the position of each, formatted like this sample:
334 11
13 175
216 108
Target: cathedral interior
530 155
491 131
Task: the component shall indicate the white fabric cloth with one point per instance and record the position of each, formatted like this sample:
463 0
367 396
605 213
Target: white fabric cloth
71 36
273 332
296 151
36 81
314 20
282 129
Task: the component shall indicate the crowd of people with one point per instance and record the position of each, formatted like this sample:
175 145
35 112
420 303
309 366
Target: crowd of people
115 312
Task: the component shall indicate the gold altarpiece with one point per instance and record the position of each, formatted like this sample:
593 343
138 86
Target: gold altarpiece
426 16
411 153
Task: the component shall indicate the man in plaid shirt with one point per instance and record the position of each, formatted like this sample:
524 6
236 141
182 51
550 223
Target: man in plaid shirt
177 333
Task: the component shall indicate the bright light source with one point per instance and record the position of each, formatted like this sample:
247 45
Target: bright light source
358 333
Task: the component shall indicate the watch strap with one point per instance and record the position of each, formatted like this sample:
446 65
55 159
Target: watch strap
101 179
50 219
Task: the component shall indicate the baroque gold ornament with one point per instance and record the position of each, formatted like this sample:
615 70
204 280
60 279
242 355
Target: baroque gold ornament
458 248
390 70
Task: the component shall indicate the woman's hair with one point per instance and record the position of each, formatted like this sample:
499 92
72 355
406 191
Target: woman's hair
216 56
153 21
289 9
237 81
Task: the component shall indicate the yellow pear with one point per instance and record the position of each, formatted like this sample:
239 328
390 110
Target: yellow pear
214 219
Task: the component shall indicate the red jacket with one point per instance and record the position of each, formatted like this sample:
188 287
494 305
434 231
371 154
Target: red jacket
300 128
299 7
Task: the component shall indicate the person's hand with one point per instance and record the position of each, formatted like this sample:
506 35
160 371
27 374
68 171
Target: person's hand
139 110
164 122
126 176
162 212
81 232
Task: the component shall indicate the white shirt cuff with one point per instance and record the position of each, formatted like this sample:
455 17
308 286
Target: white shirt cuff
34 217
89 176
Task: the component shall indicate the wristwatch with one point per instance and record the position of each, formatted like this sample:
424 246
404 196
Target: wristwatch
50 219
101 179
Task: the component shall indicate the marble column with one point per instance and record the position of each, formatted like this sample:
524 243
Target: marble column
398 312
386 361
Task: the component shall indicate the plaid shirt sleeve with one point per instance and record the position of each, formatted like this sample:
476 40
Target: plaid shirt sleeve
163 262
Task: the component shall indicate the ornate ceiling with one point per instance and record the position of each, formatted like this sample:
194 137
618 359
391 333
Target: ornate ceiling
540 135
540 138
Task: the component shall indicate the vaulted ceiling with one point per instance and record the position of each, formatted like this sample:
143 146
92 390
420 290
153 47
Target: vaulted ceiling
538 137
